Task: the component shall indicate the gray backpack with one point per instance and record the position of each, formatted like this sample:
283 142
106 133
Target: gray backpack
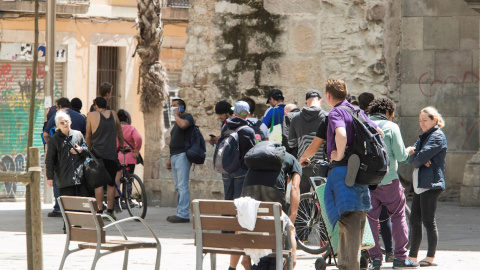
227 153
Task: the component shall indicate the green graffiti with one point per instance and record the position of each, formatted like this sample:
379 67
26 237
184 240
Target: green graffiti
14 126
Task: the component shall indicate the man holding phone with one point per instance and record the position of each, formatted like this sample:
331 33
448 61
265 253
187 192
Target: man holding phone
178 162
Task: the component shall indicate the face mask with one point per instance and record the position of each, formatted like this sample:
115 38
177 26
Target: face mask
172 109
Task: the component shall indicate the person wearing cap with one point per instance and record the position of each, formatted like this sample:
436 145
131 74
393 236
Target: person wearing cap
233 182
275 99
103 129
223 110
303 128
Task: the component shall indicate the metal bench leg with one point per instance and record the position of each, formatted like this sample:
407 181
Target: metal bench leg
125 260
159 255
97 256
213 261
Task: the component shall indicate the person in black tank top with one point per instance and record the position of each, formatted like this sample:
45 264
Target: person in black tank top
103 144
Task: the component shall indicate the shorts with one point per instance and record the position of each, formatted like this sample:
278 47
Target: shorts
112 168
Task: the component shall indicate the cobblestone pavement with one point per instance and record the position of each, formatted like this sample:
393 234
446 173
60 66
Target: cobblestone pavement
458 247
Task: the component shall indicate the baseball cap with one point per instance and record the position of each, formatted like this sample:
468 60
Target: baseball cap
313 93
275 94
223 107
241 106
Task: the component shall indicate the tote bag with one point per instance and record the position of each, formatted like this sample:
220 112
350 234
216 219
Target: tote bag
275 130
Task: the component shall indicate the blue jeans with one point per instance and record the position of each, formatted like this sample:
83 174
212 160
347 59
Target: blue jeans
181 173
56 194
233 184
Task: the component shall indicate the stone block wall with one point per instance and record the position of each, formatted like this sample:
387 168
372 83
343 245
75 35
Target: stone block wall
439 67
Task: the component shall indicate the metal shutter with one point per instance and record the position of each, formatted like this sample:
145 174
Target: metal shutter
15 77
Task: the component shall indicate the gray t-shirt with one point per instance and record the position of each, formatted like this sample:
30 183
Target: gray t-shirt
177 135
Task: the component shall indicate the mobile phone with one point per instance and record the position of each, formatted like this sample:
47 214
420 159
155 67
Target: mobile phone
181 109
212 136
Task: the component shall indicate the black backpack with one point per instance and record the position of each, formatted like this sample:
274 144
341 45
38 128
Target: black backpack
369 146
265 156
195 146
257 130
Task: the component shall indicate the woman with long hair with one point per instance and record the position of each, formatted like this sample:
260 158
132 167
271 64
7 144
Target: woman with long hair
428 181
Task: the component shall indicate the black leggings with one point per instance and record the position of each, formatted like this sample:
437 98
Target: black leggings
424 206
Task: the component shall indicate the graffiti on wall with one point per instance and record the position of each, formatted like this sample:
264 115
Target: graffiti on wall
437 84
11 163
435 92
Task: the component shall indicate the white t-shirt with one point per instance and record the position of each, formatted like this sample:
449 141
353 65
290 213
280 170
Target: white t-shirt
416 189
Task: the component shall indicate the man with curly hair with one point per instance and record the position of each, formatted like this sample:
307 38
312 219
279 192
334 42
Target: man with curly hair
390 191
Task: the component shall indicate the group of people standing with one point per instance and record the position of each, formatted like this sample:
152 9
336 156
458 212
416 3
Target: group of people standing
312 134
71 137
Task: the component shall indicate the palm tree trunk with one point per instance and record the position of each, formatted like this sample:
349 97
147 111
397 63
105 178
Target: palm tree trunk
153 82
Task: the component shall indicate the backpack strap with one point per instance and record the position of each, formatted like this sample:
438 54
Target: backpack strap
352 113
240 128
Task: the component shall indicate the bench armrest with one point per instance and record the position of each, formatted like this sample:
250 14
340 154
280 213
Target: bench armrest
117 225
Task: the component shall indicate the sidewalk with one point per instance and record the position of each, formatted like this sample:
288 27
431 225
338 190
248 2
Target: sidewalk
458 247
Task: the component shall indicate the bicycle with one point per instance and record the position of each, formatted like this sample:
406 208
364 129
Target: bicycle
312 236
134 195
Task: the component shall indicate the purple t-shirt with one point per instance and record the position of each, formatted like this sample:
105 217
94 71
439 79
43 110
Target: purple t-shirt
338 117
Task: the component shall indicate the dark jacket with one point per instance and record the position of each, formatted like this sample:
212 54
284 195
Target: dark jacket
430 146
246 136
61 162
303 128
287 119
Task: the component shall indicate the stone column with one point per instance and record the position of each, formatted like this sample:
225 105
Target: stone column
470 190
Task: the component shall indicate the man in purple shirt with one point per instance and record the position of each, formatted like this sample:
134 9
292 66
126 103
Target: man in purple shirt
346 205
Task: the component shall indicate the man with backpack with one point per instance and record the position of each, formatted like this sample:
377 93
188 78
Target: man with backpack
347 205
235 141
270 169
260 129
303 128
178 162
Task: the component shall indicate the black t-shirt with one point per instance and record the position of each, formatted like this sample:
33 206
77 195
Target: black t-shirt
275 179
322 128
177 135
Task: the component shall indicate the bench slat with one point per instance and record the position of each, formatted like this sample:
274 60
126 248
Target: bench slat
78 203
83 219
225 240
226 223
226 207
286 253
85 235
116 245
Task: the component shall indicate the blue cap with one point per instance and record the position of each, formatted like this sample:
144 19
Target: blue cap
241 106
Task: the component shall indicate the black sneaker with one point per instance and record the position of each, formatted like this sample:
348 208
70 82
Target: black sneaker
407 263
376 263
389 257
176 219
55 214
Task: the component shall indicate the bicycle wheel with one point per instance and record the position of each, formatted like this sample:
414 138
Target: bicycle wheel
135 196
311 232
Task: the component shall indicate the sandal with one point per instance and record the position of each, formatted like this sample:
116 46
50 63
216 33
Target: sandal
425 263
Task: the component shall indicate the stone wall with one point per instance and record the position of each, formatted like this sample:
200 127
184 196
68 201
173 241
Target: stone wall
418 53
439 67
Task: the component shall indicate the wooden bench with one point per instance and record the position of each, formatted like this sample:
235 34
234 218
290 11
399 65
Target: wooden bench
83 224
211 217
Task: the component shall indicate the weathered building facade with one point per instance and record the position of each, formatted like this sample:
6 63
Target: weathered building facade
95 42
419 53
